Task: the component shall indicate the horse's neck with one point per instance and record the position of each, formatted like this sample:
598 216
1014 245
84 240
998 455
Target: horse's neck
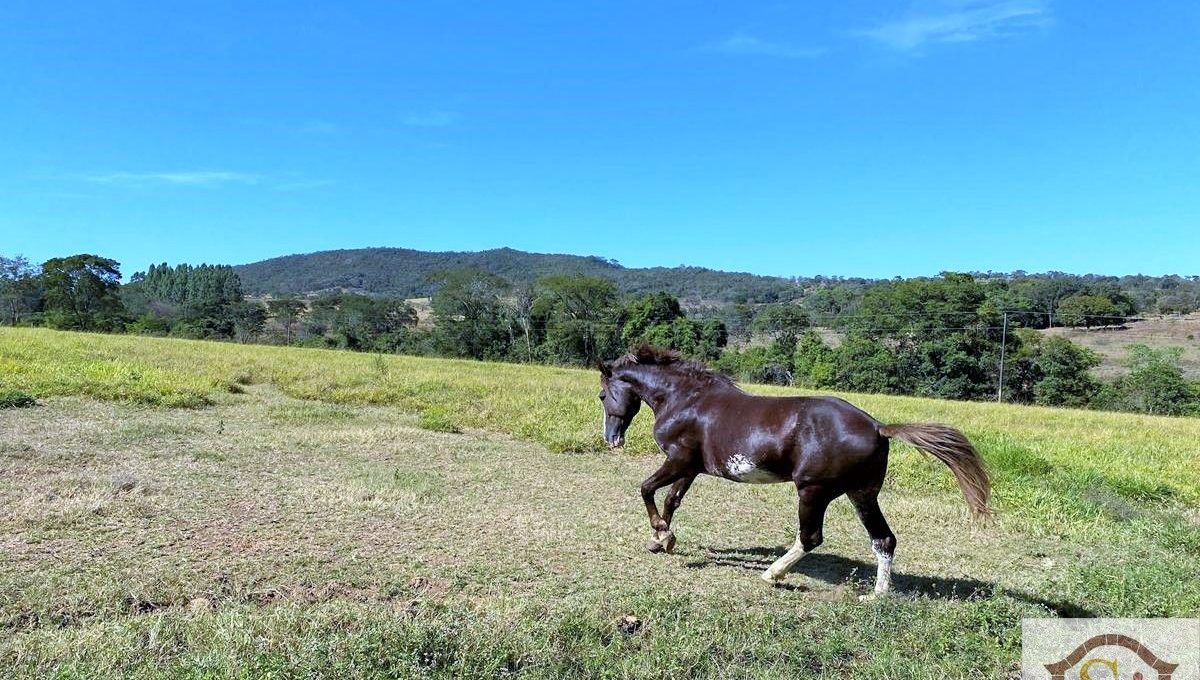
663 390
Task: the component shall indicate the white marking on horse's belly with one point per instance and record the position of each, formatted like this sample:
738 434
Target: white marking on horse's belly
743 469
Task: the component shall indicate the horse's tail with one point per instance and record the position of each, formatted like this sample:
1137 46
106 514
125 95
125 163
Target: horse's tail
954 449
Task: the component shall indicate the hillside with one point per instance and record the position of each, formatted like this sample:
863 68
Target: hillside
1112 342
407 273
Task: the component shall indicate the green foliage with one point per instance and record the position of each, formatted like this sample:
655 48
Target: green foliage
815 363
471 317
203 301
931 337
20 290
864 364
199 289
286 311
654 309
358 322
768 365
1154 384
1064 368
780 320
578 316
437 419
658 319
1087 310
149 324
82 292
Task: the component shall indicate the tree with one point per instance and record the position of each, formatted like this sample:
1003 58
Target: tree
286 311
248 318
659 319
20 291
814 364
866 365
647 311
524 296
1088 310
201 301
934 337
713 339
1155 382
580 318
759 364
780 320
470 315
1065 373
82 292
358 322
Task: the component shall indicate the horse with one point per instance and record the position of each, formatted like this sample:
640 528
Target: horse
825 446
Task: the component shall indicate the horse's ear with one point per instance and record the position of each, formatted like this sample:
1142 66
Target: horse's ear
605 368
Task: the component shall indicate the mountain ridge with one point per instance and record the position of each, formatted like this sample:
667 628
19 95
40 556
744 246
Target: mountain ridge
407 272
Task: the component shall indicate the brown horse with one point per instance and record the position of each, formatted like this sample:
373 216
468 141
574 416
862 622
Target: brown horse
825 446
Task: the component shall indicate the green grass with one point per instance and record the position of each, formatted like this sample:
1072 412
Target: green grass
15 399
314 513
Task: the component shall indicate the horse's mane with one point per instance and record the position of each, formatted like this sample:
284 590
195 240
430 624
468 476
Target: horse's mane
645 354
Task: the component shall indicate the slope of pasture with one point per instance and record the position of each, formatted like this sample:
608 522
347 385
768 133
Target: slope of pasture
1111 342
298 521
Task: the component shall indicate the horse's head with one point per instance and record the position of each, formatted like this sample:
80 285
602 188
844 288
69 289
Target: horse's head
620 405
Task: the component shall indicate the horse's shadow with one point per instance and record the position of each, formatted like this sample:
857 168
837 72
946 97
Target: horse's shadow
837 570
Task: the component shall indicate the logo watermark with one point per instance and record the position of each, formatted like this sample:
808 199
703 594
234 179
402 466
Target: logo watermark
1110 649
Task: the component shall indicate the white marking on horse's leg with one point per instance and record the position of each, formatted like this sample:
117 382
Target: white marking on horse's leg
883 574
780 567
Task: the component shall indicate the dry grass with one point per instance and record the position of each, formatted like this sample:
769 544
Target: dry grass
1111 342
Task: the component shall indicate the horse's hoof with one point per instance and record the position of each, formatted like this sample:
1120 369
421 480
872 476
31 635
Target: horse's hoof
654 546
666 539
871 597
773 579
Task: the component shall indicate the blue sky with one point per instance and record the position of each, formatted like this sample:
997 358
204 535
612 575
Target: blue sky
794 138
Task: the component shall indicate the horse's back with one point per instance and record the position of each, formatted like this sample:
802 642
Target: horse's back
835 437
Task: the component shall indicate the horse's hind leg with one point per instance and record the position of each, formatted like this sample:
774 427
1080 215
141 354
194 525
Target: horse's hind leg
883 541
811 517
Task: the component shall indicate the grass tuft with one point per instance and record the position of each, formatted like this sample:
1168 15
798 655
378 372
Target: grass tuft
16 399
437 419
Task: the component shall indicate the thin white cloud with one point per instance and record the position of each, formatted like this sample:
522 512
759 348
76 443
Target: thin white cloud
206 179
744 43
431 119
960 22
195 178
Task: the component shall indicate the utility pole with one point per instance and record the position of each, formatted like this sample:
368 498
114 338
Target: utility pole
1003 340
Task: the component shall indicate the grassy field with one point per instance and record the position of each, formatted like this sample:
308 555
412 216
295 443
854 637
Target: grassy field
190 509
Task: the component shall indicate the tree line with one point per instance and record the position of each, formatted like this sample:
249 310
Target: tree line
939 337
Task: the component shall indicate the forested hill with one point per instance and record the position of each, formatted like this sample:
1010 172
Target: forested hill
410 273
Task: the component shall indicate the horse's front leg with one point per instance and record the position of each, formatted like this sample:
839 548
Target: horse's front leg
674 469
675 497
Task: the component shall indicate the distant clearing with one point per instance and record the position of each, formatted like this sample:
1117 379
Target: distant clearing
1167 331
